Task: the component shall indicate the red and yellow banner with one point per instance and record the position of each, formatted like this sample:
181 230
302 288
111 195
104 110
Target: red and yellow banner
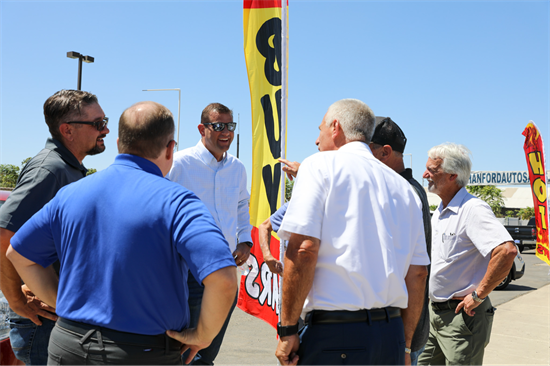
263 48
534 153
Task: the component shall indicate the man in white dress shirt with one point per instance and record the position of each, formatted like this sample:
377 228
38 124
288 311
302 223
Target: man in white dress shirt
355 266
471 254
219 180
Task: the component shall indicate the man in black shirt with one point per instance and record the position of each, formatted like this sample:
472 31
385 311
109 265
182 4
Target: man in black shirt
77 125
387 145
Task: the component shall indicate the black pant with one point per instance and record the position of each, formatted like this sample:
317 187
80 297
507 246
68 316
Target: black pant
73 343
380 342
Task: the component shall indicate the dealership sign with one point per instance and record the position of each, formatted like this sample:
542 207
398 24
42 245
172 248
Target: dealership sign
498 178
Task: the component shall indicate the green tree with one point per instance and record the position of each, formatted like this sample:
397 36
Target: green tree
510 213
289 185
490 194
433 207
91 171
8 175
526 213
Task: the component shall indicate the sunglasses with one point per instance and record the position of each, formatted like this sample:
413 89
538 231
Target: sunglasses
219 126
99 125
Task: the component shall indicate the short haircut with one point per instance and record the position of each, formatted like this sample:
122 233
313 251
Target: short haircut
214 107
63 106
356 119
456 160
145 132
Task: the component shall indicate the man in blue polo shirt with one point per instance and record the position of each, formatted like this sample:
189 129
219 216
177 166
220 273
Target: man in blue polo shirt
126 238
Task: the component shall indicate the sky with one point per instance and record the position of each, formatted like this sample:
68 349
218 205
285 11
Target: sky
469 72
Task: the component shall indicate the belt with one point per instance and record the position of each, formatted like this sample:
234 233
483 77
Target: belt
342 316
106 335
446 305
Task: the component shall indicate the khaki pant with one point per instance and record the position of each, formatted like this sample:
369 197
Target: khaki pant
458 339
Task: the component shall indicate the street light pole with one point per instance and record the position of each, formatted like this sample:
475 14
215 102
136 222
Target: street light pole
179 107
87 59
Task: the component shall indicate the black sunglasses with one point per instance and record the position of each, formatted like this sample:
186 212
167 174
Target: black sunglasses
100 125
219 126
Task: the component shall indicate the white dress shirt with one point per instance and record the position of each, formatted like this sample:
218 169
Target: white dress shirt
369 222
464 235
221 186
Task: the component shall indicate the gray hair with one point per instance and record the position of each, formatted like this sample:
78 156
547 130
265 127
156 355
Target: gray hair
456 160
355 117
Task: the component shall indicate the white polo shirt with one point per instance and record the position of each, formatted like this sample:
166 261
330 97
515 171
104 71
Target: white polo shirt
464 235
369 222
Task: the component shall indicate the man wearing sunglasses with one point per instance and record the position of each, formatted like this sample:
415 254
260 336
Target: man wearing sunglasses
77 125
219 180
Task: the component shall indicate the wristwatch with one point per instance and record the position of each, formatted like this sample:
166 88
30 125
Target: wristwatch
247 243
477 298
286 330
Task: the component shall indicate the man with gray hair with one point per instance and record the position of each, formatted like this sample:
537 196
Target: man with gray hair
355 266
471 253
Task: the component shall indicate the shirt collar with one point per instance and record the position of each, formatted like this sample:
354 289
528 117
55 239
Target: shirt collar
65 154
207 158
455 203
137 162
407 173
355 145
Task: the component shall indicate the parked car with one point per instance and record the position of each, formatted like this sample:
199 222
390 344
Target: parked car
525 236
4 196
516 272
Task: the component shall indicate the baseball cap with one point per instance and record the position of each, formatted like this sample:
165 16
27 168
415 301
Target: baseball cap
387 132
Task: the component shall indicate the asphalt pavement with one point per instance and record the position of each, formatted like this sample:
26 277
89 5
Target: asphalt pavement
520 335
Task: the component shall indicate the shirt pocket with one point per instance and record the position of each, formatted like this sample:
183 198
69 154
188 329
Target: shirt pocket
448 247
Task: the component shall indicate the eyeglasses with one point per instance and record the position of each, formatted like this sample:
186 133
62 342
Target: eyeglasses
100 125
219 126
175 145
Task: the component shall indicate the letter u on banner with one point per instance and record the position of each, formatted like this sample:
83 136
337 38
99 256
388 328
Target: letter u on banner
263 48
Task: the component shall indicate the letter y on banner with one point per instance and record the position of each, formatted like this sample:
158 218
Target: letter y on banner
534 153
264 40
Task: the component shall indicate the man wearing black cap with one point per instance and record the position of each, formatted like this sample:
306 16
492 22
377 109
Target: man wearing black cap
387 145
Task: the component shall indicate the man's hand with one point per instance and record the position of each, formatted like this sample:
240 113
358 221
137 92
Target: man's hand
190 341
287 348
31 307
468 303
274 265
407 359
291 168
241 254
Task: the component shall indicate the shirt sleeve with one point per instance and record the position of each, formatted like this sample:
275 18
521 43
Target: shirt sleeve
35 240
307 207
277 218
484 230
244 228
198 239
34 189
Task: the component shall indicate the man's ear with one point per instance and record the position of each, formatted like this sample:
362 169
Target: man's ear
386 151
201 129
453 177
66 131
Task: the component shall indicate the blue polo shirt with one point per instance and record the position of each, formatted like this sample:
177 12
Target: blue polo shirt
125 237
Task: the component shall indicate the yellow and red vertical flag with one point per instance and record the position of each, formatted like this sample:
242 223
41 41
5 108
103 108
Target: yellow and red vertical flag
266 53
534 153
